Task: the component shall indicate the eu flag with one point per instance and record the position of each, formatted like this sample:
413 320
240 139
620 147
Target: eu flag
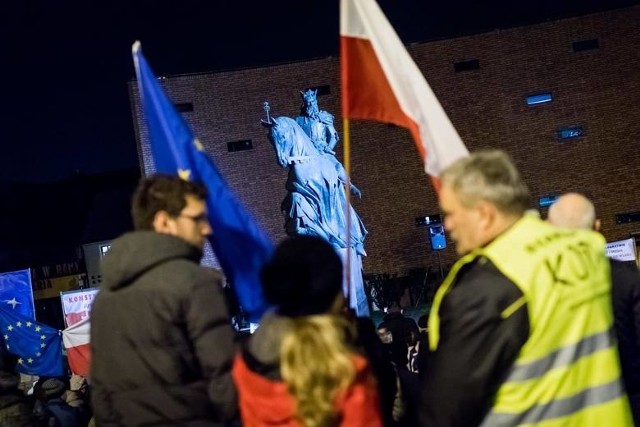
239 242
16 293
37 346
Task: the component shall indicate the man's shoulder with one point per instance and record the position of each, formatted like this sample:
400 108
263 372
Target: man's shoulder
624 267
190 269
624 274
481 271
482 280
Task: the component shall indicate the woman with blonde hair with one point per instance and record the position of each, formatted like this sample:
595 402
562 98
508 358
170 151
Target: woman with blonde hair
301 367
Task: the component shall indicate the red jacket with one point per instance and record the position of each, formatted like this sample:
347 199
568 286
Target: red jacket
268 403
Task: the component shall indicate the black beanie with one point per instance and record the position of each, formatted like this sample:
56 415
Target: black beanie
303 277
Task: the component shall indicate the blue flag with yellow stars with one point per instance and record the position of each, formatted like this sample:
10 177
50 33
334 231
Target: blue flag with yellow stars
16 293
38 347
238 241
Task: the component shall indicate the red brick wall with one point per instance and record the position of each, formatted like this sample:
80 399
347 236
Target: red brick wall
597 89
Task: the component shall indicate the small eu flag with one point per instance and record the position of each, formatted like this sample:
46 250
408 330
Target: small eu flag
16 293
38 347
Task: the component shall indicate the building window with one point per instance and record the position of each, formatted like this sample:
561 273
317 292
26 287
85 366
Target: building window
569 132
539 98
547 200
586 45
243 145
184 107
470 65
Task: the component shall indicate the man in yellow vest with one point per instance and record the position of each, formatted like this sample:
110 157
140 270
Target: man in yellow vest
573 210
521 329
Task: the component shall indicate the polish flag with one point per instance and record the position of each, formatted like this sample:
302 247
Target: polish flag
76 339
381 82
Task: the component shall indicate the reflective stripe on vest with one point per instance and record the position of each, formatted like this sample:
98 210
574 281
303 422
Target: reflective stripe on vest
558 407
563 357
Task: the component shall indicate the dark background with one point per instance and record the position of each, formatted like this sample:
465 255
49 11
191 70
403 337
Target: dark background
69 159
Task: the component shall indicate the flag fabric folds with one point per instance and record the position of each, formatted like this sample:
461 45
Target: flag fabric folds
38 347
16 293
76 339
238 241
381 82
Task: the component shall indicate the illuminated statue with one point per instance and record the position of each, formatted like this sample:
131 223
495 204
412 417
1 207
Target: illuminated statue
316 203
316 123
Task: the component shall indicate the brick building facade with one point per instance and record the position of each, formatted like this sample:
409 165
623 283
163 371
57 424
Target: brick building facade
590 65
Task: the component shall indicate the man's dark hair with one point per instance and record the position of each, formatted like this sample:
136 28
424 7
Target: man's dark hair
162 192
303 277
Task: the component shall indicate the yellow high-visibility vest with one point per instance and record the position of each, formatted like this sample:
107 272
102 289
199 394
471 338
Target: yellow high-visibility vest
567 373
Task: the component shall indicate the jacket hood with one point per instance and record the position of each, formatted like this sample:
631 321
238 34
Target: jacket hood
134 253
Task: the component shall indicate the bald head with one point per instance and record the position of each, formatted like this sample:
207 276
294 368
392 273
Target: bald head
573 210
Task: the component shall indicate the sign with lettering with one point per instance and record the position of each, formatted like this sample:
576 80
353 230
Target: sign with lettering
622 250
76 305
57 270
51 288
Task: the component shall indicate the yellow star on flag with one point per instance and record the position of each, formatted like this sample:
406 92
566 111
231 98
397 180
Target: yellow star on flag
184 174
10 328
43 345
30 360
6 337
198 144
38 328
20 361
29 324
19 324
42 337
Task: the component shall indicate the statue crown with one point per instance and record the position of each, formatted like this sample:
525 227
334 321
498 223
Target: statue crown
309 95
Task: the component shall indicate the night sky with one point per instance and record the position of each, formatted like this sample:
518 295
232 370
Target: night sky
69 157
65 64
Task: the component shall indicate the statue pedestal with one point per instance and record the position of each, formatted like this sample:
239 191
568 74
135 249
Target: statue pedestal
357 296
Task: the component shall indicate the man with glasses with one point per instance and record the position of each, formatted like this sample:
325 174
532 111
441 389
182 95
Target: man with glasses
161 341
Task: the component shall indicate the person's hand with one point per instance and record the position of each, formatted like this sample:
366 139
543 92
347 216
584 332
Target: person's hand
76 382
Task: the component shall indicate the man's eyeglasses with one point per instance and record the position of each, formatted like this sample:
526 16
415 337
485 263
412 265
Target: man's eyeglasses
196 218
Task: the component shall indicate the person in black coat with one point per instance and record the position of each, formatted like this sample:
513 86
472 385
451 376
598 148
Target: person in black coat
15 407
161 340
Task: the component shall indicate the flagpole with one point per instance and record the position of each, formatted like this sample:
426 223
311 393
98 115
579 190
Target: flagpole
346 148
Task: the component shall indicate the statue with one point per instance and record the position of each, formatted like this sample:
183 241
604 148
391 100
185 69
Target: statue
318 125
316 201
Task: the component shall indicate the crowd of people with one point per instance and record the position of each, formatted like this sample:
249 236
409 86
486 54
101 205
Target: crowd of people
49 402
526 329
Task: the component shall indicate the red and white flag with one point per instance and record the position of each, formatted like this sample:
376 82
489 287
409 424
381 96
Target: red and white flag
76 339
381 82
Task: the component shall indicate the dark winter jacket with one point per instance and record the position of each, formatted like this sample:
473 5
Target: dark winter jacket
162 346
15 409
62 414
625 295
472 334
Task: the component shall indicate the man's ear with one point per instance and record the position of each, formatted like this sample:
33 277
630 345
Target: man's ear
487 213
162 222
597 225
